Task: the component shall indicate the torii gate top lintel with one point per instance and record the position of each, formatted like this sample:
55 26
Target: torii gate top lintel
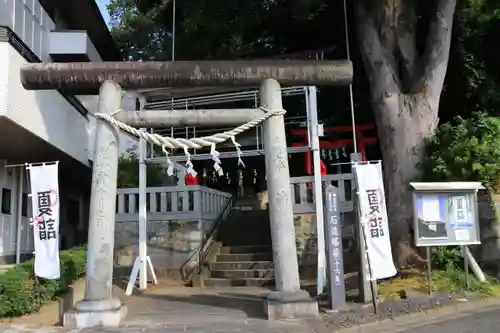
88 76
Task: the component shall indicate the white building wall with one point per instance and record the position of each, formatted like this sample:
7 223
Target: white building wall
46 113
4 77
30 22
73 42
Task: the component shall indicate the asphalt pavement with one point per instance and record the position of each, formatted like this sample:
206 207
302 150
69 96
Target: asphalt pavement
483 321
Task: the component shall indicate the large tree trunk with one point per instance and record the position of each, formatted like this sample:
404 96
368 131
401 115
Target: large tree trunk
402 138
405 90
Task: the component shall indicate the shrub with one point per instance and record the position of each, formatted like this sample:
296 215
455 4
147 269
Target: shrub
464 150
447 257
22 293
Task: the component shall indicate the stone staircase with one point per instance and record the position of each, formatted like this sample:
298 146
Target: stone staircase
245 255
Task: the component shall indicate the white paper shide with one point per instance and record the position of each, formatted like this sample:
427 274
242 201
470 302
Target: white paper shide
373 212
45 221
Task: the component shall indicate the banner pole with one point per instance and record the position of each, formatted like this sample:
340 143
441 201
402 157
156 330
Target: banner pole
318 185
19 212
373 283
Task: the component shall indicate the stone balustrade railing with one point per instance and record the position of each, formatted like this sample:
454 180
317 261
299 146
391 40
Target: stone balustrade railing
172 203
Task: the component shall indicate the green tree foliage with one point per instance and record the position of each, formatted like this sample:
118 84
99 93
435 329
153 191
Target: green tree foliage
263 28
465 150
472 81
256 28
128 171
226 30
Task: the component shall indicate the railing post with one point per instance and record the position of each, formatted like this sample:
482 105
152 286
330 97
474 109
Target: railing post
197 202
98 307
288 301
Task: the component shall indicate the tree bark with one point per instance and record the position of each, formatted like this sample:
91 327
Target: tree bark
403 122
405 90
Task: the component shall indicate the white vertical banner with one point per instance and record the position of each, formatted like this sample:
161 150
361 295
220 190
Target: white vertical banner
44 182
373 212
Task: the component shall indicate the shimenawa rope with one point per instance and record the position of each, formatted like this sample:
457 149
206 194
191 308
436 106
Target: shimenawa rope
193 143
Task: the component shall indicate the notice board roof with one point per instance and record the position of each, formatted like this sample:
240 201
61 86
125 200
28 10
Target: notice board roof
447 186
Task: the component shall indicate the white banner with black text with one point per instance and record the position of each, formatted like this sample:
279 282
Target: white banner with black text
44 182
373 213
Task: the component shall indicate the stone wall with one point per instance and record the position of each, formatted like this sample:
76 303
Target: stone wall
307 246
170 243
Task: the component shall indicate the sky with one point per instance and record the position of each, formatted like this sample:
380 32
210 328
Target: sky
104 11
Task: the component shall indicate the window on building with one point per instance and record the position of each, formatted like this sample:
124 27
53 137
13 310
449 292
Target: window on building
28 27
6 201
73 212
24 205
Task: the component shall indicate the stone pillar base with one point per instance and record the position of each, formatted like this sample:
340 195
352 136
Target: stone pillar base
95 314
290 305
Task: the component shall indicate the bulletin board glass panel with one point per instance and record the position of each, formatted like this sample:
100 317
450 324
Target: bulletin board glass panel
445 219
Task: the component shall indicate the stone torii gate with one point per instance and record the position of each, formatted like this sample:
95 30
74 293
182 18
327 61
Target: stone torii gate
99 308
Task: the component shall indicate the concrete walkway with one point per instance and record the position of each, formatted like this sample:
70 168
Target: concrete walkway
174 309
170 309
215 310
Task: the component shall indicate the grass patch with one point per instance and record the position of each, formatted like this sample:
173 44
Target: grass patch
449 280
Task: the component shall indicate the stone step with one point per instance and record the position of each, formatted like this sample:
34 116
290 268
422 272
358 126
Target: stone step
248 224
248 240
213 282
246 249
245 231
245 242
248 217
241 265
243 274
242 216
244 257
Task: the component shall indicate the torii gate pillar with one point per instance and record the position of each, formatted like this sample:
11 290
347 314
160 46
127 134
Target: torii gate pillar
99 307
288 301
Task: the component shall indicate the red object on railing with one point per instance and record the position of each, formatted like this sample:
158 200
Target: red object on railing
323 168
362 141
191 178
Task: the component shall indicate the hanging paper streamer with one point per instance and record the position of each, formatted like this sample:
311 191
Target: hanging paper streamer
215 157
170 164
238 151
189 164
